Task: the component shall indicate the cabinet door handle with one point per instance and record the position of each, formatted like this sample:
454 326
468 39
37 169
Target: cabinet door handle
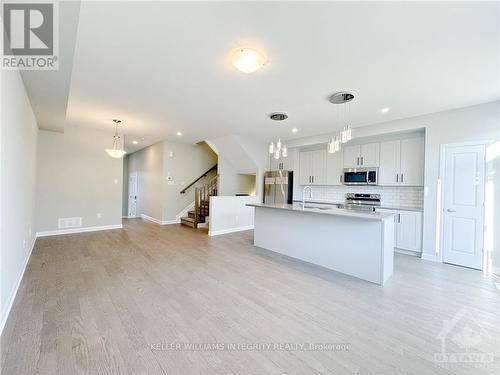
402 177
397 177
313 179
361 160
399 218
357 160
340 178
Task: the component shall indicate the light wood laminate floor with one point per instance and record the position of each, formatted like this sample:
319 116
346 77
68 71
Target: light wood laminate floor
95 303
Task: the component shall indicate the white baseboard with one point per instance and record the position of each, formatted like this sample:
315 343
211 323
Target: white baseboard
160 222
77 230
149 218
431 257
408 252
13 293
168 222
230 230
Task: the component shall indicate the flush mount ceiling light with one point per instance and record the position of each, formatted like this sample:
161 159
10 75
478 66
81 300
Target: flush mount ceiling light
248 60
278 116
344 98
117 151
178 134
135 142
385 110
295 130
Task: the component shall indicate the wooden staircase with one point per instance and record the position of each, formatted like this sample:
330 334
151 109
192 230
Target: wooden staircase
201 203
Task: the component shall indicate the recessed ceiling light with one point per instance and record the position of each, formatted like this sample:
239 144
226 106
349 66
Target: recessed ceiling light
385 110
135 142
248 60
178 134
295 130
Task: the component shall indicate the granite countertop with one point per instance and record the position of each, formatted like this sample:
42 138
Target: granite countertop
325 210
384 207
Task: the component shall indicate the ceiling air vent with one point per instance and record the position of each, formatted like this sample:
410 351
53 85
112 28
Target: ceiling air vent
278 116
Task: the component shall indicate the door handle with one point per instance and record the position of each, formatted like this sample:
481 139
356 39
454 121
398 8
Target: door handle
450 210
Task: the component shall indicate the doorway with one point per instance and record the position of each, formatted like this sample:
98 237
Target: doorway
132 195
463 196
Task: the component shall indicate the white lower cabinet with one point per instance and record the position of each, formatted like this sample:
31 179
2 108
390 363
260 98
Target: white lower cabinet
408 229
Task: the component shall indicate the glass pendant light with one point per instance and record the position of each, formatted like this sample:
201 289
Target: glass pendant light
271 148
284 151
277 154
117 151
278 145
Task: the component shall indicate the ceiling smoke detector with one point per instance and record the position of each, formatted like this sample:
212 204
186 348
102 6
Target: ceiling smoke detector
341 97
278 116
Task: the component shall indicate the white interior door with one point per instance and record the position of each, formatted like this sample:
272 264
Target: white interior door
132 195
463 193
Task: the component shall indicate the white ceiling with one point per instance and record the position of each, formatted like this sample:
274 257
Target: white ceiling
164 67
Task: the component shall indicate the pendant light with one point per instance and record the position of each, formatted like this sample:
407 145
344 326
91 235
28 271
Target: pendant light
342 97
279 151
117 151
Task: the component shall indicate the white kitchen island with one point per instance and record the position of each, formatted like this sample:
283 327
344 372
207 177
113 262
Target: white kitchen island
356 243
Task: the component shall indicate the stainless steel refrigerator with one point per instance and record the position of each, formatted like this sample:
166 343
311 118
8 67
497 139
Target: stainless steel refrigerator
278 187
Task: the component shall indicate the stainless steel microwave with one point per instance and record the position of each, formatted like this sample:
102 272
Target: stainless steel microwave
360 176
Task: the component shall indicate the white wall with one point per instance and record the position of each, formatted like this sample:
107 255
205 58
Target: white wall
159 197
76 178
476 123
148 164
230 214
187 163
18 177
239 154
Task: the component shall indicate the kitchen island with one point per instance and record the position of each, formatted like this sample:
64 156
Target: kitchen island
357 243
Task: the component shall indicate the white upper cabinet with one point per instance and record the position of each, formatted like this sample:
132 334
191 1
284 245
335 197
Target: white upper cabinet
305 167
361 156
351 156
389 171
369 156
319 167
312 167
412 162
334 169
402 162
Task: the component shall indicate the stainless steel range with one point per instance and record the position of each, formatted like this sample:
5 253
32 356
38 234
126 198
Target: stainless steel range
361 202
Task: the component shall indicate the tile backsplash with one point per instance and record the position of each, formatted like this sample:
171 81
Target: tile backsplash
391 196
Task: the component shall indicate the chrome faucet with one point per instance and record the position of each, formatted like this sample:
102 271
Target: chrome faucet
304 194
